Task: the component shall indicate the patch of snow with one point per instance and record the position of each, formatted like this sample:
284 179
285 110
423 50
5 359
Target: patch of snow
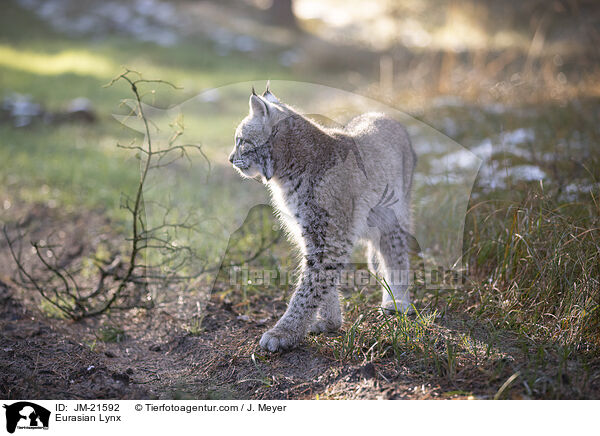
525 172
147 20
518 136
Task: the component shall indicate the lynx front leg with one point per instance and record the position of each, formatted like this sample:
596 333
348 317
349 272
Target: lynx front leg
315 305
329 316
293 325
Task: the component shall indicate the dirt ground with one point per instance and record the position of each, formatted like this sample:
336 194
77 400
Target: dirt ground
41 359
156 355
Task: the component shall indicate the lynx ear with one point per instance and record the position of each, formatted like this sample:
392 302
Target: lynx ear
269 96
258 106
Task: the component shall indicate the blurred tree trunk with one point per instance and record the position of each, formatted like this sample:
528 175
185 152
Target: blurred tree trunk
281 13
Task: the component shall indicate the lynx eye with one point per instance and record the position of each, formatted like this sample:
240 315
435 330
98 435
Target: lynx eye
245 145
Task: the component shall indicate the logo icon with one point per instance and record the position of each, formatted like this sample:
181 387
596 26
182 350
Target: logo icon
26 415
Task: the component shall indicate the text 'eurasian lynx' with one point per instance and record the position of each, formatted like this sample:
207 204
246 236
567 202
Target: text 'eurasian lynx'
332 188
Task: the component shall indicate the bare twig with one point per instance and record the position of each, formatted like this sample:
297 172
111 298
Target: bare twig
120 281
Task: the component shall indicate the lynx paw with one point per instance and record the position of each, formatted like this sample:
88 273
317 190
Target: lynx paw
278 339
324 326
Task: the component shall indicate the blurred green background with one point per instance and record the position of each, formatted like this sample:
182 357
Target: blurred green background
472 70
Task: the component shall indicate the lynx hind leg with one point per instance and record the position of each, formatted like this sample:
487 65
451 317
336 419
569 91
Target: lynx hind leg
329 315
392 263
373 257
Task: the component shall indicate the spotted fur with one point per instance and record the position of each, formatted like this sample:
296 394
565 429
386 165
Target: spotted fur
332 188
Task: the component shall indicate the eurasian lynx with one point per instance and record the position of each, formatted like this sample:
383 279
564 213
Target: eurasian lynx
332 188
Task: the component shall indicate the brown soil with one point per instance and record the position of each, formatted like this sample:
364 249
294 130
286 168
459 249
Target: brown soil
160 355
51 359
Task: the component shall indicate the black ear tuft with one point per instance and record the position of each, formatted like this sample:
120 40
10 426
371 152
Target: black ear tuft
269 96
253 91
267 90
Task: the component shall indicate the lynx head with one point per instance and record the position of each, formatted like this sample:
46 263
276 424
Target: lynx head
252 153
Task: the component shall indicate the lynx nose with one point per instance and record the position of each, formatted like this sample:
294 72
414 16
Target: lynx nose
231 156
